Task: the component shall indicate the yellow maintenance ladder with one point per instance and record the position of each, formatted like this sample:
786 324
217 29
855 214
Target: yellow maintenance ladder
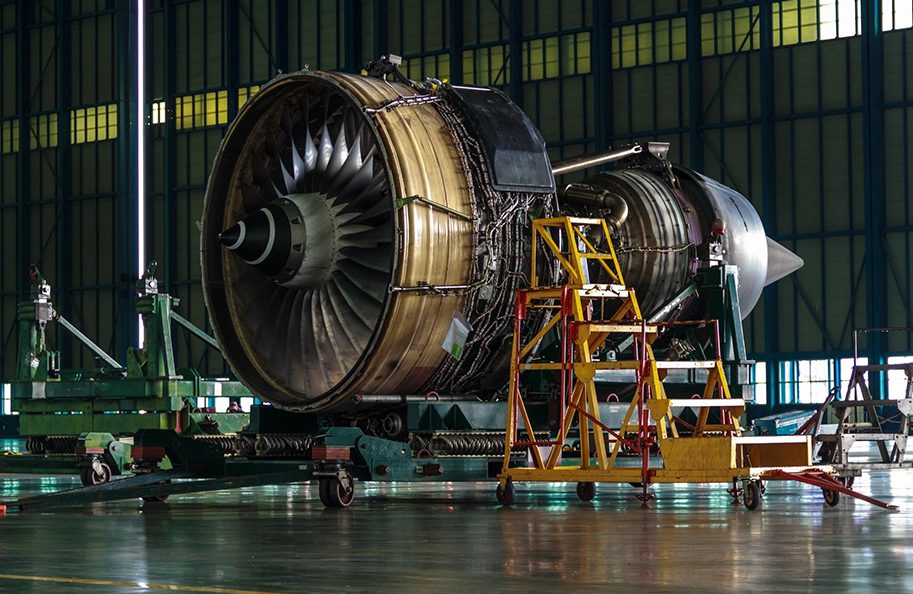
586 315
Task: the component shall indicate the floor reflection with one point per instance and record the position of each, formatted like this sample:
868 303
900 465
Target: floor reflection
454 537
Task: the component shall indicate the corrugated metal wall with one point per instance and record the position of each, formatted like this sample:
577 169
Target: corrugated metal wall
59 157
802 105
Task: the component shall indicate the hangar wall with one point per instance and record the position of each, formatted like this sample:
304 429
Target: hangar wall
802 105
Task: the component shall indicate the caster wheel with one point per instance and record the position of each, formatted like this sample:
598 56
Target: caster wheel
831 497
586 491
338 493
324 491
333 494
156 499
89 476
751 495
507 494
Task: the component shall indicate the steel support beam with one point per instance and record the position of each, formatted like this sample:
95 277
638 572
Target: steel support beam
167 154
23 157
64 241
601 55
695 87
281 25
127 331
515 33
455 29
873 175
381 29
231 48
353 44
768 196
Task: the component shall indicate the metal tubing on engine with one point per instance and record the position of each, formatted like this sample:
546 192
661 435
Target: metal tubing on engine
585 195
587 161
406 398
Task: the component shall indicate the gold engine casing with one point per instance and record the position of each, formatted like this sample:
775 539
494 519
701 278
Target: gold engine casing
300 348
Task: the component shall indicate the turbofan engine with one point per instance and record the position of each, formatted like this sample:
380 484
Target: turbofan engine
351 222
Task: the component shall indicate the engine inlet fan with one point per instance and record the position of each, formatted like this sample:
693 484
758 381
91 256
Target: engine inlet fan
308 236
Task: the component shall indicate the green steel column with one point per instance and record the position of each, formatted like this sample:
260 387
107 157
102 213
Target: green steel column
601 56
768 195
353 47
23 157
381 31
695 86
127 333
455 26
230 48
873 175
281 23
167 154
515 34
63 276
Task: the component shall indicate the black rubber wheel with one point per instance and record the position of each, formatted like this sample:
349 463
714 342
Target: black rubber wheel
831 497
586 491
90 477
337 493
324 491
332 493
752 495
848 481
156 499
507 494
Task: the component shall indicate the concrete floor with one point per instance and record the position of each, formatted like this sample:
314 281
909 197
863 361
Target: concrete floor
454 538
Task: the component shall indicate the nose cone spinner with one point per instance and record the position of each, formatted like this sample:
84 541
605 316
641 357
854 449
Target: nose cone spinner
263 239
781 262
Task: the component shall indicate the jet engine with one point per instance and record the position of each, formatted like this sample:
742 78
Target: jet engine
353 225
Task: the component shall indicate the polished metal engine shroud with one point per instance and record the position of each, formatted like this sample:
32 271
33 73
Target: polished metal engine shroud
349 219
346 220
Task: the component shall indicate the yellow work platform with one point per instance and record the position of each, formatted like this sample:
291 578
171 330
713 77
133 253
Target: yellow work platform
585 315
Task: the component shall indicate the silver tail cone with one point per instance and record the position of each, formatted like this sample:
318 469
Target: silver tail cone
781 262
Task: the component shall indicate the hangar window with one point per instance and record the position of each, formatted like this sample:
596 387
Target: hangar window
575 54
759 382
897 378
245 93
159 114
201 110
796 21
648 43
487 66
896 14
846 371
541 58
729 31
43 131
9 137
434 66
93 124
839 18
5 402
551 57
807 381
